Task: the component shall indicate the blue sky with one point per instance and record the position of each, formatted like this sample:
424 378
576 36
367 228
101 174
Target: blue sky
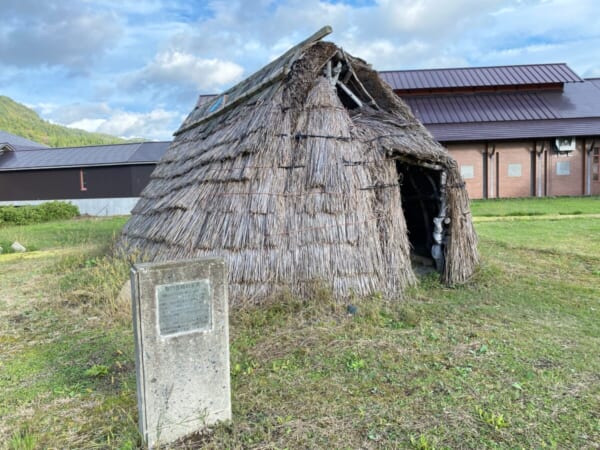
135 68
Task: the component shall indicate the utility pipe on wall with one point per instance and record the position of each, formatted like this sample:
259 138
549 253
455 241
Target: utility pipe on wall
541 170
588 167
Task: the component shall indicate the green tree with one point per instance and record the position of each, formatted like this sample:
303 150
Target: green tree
17 119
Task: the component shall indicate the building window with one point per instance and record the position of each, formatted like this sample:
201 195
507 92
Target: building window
467 172
563 168
596 165
514 170
82 183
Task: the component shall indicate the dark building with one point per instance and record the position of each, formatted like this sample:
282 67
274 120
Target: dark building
516 131
100 180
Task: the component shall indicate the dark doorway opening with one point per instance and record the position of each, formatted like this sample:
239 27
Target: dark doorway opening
424 211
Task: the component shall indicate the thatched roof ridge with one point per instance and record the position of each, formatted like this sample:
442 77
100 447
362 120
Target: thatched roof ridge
293 183
260 80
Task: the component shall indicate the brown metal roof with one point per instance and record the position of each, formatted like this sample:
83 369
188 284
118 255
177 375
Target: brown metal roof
471 77
573 111
576 100
527 129
480 108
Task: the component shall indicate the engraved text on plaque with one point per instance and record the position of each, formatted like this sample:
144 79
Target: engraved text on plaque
184 307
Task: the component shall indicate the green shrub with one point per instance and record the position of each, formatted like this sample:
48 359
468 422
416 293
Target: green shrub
58 211
29 214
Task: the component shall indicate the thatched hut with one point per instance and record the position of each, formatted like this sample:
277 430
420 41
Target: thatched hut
311 169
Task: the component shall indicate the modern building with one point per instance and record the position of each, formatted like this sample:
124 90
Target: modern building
100 180
516 131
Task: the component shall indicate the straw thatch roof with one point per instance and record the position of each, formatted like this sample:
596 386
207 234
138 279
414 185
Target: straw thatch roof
292 176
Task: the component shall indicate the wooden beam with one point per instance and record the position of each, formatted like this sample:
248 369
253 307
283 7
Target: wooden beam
350 93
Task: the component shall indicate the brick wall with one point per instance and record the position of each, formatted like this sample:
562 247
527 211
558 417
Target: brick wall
565 172
470 161
557 174
514 169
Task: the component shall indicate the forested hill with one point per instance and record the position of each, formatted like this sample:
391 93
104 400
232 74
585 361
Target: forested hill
17 119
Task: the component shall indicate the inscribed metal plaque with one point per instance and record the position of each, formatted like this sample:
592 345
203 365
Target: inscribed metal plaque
184 307
563 167
514 170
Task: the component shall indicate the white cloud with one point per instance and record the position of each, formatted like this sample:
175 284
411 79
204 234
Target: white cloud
396 33
87 124
43 108
157 124
385 33
156 56
52 33
69 113
179 67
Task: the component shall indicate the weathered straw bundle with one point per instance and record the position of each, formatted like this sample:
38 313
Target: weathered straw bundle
291 185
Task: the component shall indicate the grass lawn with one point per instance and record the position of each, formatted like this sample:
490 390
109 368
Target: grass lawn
536 206
509 360
63 234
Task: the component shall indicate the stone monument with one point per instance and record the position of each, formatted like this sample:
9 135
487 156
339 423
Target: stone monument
180 318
